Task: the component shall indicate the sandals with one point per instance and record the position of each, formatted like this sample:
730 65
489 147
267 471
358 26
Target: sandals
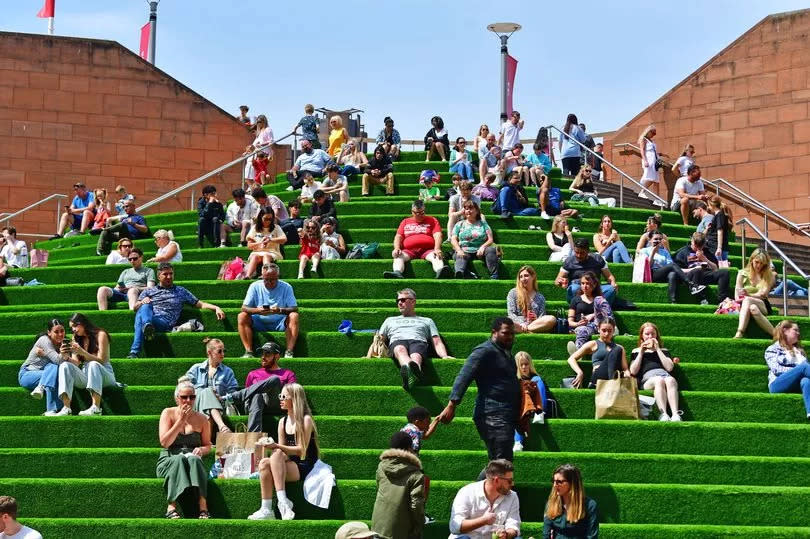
173 514
204 515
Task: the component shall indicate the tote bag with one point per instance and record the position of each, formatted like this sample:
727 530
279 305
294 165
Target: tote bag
617 398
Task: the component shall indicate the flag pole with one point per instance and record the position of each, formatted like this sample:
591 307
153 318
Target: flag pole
50 26
153 4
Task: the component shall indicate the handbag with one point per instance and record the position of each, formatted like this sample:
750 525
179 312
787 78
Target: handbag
641 269
378 348
39 258
723 264
617 398
728 306
233 270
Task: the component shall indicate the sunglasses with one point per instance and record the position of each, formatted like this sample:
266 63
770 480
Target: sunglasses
132 258
402 300
283 397
128 245
187 397
559 481
220 350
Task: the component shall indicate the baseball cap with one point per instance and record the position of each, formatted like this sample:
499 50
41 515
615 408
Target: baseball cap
270 348
354 530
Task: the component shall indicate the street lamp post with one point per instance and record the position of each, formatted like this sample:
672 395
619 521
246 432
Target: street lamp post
504 31
153 4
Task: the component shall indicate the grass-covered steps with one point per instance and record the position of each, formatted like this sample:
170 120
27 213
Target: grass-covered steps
354 499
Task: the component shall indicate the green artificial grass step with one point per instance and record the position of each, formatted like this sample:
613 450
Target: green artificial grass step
393 401
325 529
530 466
354 499
577 435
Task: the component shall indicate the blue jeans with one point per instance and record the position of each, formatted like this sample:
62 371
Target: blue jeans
793 290
464 168
47 378
350 171
617 253
146 315
607 290
796 379
508 202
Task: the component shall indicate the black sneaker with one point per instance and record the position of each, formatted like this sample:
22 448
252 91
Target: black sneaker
393 275
55 237
405 373
443 273
459 275
149 332
416 371
132 355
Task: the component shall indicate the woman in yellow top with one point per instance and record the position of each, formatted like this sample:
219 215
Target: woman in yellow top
753 284
338 136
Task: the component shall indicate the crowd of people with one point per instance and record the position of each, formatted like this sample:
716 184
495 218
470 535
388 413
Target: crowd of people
58 365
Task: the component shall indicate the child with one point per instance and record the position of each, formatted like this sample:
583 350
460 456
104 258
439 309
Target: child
527 374
429 191
332 244
486 190
420 428
309 126
310 248
540 163
453 190
102 211
124 197
260 164
309 188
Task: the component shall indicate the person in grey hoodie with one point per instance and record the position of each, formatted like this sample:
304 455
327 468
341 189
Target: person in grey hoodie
399 510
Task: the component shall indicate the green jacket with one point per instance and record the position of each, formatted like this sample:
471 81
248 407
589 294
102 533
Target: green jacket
399 511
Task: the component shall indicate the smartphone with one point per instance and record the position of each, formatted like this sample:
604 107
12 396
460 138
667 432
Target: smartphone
266 307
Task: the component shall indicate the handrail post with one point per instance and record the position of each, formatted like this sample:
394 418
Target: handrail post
766 230
58 214
621 191
784 288
192 198
743 243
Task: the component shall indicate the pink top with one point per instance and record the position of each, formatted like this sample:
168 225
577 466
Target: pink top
261 374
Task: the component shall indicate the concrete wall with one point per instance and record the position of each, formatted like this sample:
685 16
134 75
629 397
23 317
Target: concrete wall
746 112
80 109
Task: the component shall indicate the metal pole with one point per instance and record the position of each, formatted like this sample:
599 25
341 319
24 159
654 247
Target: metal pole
58 214
743 244
152 30
784 288
192 199
504 52
621 192
766 230
50 26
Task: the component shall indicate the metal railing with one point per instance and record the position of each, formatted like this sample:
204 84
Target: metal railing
7 217
193 183
622 174
745 222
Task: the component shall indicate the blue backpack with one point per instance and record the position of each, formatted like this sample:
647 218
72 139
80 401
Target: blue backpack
555 199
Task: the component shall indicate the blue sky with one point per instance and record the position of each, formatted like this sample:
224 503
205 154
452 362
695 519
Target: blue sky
412 59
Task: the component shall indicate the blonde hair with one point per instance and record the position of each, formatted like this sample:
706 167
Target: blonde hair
657 333
767 275
557 224
300 409
163 233
338 120
102 191
779 335
524 297
579 180
481 129
576 509
524 356
647 130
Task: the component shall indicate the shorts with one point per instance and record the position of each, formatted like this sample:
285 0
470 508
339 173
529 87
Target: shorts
676 205
412 346
77 222
417 253
117 295
269 322
652 374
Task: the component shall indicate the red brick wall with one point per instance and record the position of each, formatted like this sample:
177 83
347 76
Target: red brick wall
89 110
746 112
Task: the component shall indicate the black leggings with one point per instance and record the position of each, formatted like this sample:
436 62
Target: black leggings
209 228
670 274
570 165
606 369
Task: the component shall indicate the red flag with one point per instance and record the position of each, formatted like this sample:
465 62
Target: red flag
511 69
47 10
146 30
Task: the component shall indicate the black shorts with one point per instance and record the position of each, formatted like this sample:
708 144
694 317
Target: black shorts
412 346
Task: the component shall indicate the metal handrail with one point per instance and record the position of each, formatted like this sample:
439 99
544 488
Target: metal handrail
7 217
785 259
196 181
614 167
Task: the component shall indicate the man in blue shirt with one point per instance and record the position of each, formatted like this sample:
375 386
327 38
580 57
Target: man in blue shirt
497 404
158 308
310 160
130 225
269 306
79 215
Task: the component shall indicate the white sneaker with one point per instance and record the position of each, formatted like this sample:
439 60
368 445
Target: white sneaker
518 447
71 233
571 347
51 413
93 410
38 392
286 510
676 416
642 194
663 417
262 514
544 215
290 188
64 411
222 246
659 204
539 419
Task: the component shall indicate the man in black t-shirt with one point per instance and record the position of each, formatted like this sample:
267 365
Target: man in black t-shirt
581 261
719 223
700 264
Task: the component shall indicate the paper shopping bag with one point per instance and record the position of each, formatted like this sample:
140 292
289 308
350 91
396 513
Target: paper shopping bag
617 398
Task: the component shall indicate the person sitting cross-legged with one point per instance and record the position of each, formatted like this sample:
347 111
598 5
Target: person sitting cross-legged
418 236
269 305
131 283
159 308
409 338
129 225
526 306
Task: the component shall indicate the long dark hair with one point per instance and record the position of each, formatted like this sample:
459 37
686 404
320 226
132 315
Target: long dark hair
439 122
90 341
594 280
262 213
569 121
52 323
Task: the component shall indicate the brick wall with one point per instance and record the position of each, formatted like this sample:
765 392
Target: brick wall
746 112
80 109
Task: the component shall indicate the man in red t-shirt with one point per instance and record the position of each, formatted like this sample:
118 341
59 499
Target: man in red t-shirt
418 236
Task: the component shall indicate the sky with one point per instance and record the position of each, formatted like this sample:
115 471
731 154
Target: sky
412 59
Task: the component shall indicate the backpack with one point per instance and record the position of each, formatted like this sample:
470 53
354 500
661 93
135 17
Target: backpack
363 250
555 199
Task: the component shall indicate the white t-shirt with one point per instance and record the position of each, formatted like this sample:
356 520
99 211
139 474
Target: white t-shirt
20 259
115 257
307 191
684 163
690 188
24 533
511 134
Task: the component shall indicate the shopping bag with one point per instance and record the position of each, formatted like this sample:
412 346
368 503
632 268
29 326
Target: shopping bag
39 258
723 264
641 269
617 398
228 442
378 348
238 465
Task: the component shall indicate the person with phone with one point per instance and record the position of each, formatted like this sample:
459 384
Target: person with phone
40 369
269 305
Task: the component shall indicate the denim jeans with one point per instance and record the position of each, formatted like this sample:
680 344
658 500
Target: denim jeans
796 379
46 378
350 171
607 290
794 290
146 315
464 168
497 429
508 202
617 253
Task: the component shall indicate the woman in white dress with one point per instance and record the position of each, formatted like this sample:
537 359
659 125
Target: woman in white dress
649 158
